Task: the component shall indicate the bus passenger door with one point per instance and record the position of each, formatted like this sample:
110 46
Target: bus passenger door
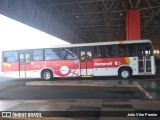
144 60
24 65
86 62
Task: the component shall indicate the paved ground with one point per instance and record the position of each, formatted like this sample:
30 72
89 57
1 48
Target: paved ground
15 95
94 109
17 90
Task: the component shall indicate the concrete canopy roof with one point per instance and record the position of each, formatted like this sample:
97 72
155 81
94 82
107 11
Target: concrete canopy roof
78 21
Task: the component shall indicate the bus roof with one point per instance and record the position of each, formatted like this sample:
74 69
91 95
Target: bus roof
104 43
89 44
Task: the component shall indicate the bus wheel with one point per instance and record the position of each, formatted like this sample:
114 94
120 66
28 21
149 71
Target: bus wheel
47 74
125 73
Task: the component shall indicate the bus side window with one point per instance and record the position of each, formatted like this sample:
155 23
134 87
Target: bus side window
69 53
99 52
121 50
104 52
110 51
28 58
10 56
83 56
52 54
148 52
74 53
132 50
126 51
38 54
140 53
95 52
114 50
107 52
64 54
89 56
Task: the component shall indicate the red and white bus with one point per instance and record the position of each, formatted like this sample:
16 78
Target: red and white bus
117 58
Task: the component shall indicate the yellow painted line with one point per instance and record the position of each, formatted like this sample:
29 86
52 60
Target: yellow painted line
120 42
86 76
145 92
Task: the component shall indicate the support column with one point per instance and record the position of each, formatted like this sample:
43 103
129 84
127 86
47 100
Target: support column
133 30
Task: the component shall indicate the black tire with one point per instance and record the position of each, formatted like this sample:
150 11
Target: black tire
47 74
125 73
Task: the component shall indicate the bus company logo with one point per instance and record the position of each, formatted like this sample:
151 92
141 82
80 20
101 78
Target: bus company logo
108 63
103 64
117 63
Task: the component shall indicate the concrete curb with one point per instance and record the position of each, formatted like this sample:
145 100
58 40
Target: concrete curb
145 92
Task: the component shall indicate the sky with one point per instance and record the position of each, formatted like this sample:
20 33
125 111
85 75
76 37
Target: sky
16 35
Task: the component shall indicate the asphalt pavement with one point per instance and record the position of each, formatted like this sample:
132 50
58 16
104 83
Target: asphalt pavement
98 94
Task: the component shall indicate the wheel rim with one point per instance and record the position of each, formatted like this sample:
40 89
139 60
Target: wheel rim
47 75
125 74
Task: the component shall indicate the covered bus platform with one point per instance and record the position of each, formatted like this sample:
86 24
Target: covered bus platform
85 21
